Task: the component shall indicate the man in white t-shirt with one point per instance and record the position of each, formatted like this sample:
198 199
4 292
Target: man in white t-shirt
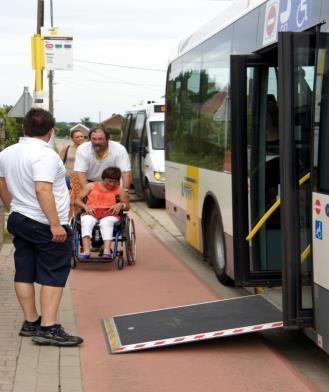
100 153
33 188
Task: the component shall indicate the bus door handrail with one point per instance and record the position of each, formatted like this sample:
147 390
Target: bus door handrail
270 211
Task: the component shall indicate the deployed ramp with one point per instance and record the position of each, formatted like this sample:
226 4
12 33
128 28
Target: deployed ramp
184 324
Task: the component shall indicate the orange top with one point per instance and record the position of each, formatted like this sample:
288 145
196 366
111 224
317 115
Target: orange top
102 198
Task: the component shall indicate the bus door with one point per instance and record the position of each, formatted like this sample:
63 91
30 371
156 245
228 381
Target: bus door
255 169
320 197
303 85
126 129
136 152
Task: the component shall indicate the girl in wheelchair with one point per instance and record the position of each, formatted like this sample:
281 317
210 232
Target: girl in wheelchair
105 200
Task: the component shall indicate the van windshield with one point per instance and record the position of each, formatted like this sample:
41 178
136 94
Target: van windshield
157 134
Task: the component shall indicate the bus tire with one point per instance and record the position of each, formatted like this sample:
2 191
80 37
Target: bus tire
151 200
216 247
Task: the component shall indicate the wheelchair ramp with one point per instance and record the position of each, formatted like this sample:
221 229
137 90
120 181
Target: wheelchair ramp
185 324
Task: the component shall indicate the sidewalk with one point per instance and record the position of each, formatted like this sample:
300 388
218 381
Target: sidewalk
25 367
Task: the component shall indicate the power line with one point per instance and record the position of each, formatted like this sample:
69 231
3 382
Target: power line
116 80
110 81
120 66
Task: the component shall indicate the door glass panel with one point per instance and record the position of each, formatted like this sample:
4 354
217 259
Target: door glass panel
321 120
304 73
263 167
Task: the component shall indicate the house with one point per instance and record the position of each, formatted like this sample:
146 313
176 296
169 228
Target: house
115 121
80 127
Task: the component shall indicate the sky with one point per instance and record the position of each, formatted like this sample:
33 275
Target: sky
128 33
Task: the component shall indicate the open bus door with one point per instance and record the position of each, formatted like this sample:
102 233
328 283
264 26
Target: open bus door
255 168
304 127
136 157
320 199
272 215
297 86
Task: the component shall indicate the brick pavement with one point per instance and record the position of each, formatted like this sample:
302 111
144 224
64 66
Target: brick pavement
25 367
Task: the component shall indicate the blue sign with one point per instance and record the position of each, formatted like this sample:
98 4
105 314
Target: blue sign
294 15
318 230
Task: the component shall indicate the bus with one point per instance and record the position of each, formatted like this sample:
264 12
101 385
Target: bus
143 137
247 152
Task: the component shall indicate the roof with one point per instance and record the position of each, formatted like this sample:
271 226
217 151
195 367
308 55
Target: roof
79 127
114 116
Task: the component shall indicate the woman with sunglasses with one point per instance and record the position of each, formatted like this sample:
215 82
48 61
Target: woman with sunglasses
105 200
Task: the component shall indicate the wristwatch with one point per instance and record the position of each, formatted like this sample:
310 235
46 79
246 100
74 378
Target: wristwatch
124 206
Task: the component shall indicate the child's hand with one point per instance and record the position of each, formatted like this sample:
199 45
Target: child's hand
89 210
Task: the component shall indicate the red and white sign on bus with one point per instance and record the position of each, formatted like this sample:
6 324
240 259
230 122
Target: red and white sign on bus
271 22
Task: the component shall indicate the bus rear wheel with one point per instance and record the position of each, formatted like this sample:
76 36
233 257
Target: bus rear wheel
216 247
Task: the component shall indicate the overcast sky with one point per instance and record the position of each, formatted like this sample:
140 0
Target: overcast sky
135 33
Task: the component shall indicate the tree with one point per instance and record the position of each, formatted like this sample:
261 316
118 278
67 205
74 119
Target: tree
115 133
12 126
86 121
62 129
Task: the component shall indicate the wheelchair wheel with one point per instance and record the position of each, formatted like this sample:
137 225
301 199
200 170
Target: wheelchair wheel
130 242
120 262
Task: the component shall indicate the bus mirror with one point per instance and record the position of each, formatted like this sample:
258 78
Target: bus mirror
135 146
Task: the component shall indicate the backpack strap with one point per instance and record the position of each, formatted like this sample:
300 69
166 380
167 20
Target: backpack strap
65 155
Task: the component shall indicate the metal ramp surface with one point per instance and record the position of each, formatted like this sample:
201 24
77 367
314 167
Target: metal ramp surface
184 324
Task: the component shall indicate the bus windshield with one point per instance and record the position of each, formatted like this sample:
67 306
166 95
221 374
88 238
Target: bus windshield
157 134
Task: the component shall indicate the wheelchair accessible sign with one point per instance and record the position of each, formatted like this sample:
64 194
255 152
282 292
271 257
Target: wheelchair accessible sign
285 15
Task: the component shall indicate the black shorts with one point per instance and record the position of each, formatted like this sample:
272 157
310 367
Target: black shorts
37 258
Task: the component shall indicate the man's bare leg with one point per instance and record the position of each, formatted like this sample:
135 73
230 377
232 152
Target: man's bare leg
26 297
50 298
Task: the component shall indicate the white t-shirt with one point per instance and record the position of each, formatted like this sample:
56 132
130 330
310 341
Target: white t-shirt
28 161
87 162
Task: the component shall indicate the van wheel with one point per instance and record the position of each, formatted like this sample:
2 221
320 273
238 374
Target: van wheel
151 200
216 247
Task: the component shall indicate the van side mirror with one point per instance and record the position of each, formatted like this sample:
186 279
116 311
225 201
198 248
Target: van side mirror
135 146
145 151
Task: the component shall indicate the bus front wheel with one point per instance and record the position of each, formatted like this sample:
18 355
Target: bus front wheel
216 247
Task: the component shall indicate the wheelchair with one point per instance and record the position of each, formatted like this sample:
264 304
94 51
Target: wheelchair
124 237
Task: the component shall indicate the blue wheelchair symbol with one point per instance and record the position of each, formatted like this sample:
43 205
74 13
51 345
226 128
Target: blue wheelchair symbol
294 14
318 230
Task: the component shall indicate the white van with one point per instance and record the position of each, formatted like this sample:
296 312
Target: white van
143 137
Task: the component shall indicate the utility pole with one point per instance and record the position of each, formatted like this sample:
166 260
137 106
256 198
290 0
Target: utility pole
51 73
38 68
